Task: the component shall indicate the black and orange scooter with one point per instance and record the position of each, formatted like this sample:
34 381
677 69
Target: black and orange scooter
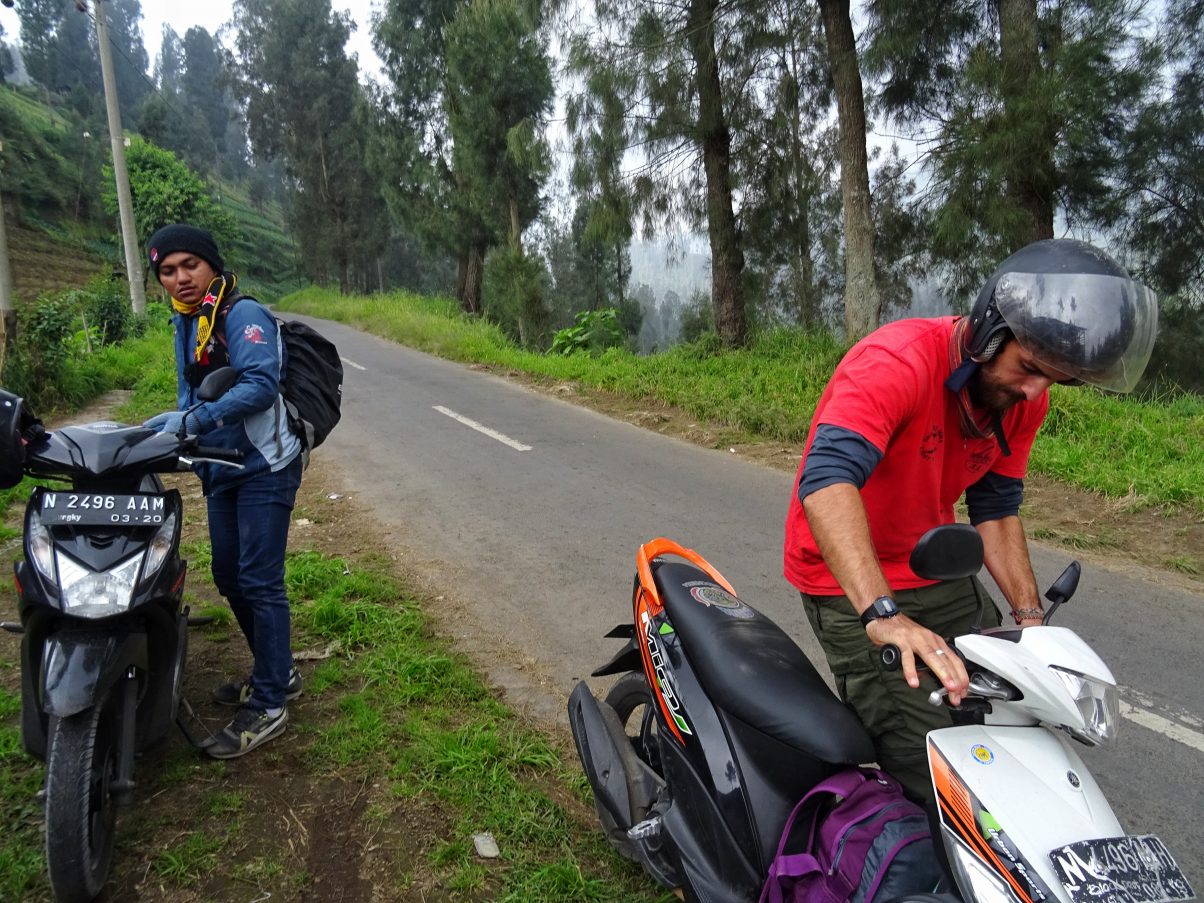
700 750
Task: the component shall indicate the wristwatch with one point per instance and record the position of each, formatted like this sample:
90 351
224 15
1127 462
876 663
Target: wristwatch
882 607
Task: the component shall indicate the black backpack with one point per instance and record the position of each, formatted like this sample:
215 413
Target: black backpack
313 382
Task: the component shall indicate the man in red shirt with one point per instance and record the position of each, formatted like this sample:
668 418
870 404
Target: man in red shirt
917 414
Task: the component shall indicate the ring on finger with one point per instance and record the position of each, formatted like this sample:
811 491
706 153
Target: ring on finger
938 651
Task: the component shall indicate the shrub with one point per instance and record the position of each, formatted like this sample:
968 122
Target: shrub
105 306
593 331
513 295
52 362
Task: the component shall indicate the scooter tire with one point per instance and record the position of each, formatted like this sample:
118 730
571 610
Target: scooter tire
81 813
627 697
629 693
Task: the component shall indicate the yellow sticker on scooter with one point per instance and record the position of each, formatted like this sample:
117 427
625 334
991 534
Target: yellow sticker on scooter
981 754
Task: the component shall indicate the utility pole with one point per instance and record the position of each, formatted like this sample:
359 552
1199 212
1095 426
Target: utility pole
8 316
125 202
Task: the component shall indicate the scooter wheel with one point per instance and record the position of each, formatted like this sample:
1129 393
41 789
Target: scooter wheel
81 814
633 702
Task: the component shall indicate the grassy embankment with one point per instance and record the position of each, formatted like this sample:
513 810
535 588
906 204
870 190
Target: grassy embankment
393 707
1150 453
58 234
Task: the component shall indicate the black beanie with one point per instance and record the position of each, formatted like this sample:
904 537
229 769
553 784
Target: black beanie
182 237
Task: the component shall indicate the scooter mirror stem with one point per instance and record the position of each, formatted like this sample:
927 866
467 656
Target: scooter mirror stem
1062 589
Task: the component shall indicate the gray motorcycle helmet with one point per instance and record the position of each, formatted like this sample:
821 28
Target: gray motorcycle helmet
1073 308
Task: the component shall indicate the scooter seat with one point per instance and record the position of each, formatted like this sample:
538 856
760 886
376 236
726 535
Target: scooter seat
750 668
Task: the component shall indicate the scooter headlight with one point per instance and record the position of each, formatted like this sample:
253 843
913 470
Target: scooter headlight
975 876
38 546
160 547
1097 703
97 594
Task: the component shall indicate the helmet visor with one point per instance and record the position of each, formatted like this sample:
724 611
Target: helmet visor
1094 328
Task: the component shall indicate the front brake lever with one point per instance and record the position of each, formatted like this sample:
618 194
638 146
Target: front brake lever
190 461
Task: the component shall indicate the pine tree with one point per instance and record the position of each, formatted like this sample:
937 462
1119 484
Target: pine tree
305 107
1022 107
411 148
663 66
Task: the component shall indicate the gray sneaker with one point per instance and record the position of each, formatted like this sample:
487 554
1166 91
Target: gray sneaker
249 729
240 692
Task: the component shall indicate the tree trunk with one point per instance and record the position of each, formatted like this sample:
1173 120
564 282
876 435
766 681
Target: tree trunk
620 278
461 275
1030 171
727 256
342 259
802 263
8 312
516 229
472 270
862 300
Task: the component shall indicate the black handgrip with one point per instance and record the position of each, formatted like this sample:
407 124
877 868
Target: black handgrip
890 657
221 454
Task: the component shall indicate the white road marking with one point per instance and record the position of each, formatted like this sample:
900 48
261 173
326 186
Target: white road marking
480 428
1164 726
352 363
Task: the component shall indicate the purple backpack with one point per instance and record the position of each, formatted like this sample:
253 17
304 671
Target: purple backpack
865 841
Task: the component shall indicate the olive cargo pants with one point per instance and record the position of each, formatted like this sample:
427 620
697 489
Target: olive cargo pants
897 717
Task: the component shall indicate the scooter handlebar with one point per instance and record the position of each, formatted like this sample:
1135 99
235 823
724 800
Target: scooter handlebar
891 658
200 454
219 454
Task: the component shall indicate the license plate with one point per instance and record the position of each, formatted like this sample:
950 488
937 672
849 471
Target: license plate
89 509
1138 869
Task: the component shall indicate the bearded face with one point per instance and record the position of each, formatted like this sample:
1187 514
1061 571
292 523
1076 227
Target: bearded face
991 392
1011 376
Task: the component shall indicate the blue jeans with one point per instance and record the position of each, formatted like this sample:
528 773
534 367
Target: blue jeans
248 530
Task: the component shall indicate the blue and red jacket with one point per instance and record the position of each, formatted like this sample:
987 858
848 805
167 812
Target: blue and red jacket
250 416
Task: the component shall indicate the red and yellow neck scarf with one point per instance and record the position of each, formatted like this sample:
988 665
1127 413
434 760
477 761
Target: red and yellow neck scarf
218 290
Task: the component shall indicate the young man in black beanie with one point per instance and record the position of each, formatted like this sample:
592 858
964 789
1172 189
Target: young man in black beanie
249 509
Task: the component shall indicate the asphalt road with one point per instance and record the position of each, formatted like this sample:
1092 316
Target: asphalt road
530 535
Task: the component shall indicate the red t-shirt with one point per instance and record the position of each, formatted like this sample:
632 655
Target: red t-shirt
890 389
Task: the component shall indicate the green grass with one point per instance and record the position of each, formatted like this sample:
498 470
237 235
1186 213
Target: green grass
417 714
1148 451
194 855
409 713
21 860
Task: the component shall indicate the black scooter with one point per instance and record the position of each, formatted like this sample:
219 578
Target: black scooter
104 628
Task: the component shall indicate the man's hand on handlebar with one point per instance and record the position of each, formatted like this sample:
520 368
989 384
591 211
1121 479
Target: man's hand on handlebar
914 640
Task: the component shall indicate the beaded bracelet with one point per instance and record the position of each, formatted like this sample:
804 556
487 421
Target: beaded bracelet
1027 614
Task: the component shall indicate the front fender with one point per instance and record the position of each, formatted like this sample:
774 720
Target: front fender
79 668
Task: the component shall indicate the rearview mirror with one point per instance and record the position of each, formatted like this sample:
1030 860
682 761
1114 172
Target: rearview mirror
947 552
1063 588
215 385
